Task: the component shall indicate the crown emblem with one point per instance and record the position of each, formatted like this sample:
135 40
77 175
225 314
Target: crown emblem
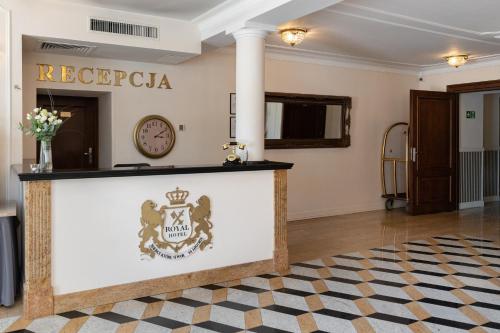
177 197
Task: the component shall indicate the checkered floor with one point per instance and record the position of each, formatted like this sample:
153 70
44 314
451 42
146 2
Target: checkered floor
441 284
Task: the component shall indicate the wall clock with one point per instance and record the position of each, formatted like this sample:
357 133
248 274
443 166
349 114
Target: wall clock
154 136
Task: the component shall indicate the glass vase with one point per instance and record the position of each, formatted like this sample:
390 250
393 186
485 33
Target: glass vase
45 155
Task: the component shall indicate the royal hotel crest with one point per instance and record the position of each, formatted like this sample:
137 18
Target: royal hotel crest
175 231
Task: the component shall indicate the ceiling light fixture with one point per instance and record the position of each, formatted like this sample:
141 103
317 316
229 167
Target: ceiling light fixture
457 60
293 36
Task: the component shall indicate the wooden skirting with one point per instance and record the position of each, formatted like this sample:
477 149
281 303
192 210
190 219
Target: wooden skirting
112 294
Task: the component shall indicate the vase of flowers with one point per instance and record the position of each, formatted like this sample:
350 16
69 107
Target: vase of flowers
43 126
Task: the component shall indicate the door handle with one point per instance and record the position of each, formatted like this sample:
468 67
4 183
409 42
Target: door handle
413 154
89 155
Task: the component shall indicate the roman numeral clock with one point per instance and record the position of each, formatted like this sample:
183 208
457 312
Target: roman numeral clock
154 136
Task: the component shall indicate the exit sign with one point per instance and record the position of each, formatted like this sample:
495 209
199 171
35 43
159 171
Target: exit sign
470 114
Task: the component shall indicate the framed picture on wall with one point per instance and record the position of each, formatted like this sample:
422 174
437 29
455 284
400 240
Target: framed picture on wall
232 127
232 103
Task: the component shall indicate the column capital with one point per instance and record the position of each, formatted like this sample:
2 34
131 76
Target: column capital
250 32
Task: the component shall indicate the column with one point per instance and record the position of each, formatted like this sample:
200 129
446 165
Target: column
250 45
38 293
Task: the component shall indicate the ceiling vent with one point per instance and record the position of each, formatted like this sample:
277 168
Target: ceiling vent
65 48
122 28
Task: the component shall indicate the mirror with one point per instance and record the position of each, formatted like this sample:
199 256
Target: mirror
306 121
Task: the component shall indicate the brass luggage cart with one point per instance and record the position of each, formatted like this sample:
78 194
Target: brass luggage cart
395 159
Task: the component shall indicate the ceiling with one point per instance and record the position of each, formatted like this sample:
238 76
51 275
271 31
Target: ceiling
178 9
400 32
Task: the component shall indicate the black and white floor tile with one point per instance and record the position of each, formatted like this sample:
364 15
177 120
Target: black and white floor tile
443 284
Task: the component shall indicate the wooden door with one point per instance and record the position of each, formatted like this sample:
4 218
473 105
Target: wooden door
75 145
433 169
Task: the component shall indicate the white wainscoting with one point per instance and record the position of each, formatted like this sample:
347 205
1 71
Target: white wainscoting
492 175
471 179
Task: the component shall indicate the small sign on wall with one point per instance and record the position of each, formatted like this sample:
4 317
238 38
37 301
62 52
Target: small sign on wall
470 114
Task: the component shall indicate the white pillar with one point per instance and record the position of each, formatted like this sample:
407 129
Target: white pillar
250 44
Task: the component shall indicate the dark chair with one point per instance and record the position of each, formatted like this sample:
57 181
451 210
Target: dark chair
9 264
132 165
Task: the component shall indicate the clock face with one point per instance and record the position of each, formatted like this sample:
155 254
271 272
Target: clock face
154 136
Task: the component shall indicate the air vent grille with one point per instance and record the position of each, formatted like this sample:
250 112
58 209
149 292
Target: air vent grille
121 28
66 48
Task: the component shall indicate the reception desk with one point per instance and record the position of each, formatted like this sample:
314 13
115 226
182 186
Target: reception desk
102 236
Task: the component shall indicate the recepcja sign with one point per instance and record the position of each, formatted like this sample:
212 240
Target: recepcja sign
101 76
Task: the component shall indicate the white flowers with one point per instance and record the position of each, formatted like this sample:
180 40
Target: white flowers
43 123
43 116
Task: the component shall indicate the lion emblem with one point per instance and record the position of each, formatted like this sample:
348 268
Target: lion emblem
150 220
177 230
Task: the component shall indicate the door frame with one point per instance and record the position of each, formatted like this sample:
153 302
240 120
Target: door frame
473 86
468 87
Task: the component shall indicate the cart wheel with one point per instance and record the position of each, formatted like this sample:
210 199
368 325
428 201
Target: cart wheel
389 204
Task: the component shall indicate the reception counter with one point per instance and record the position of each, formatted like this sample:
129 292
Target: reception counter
100 236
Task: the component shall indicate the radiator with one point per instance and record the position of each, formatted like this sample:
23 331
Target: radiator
471 179
491 175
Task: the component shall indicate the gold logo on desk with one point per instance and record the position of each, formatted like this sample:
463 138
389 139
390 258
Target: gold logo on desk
178 230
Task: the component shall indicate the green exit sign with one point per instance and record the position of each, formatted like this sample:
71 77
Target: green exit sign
470 114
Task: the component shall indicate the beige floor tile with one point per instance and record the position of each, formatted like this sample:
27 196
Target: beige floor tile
201 314
127 327
253 318
362 326
307 323
266 299
74 325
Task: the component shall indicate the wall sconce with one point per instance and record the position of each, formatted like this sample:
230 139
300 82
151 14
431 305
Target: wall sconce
457 60
293 36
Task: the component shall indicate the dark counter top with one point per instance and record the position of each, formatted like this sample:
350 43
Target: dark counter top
25 174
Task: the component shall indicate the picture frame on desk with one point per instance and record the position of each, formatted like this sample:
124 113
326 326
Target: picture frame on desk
232 127
232 103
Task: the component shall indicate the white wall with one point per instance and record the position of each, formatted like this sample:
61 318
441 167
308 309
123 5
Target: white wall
344 180
439 79
323 181
471 130
491 121
4 102
199 100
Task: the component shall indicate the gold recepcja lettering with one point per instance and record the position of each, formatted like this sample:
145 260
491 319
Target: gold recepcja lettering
164 82
67 74
119 76
132 79
81 75
103 76
45 75
152 79
100 76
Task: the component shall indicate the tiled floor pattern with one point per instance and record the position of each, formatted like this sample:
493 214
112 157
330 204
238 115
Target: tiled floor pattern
441 284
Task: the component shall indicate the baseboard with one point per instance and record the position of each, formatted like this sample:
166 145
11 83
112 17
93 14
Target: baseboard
471 204
311 214
123 292
492 198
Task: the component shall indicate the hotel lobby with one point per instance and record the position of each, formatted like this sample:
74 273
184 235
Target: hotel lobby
249 166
